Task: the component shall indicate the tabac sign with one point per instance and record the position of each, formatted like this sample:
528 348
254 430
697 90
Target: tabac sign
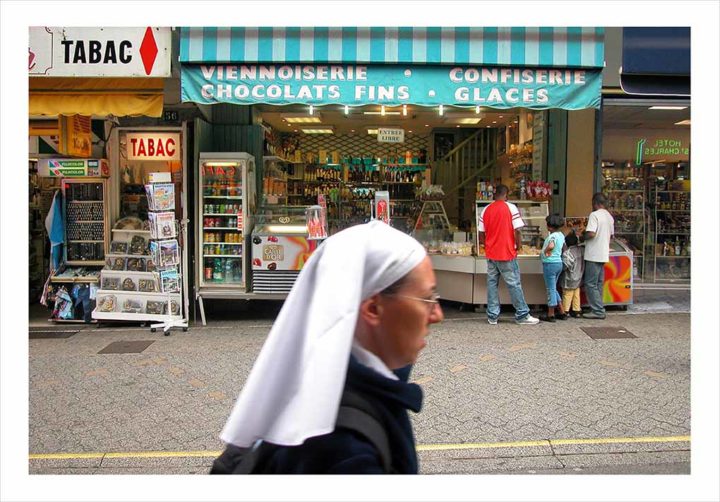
99 52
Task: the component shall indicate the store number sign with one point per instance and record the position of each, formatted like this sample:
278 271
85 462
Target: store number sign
153 146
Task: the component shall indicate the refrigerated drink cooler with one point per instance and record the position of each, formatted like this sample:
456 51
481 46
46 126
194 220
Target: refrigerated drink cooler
225 204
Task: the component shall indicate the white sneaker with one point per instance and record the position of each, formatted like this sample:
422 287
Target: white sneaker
492 321
528 319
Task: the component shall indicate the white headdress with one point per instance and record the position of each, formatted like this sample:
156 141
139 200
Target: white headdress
294 388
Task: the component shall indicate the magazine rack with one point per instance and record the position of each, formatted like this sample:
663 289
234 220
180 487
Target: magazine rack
165 251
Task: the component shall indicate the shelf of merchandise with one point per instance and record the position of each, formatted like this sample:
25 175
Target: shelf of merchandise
121 255
233 197
143 297
222 228
220 214
131 231
658 242
639 267
222 256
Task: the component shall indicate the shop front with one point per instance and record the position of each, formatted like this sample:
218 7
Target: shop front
85 81
646 150
423 121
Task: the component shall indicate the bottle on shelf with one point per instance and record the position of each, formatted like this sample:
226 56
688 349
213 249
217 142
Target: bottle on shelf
678 247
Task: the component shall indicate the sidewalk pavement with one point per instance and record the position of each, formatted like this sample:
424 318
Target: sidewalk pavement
498 399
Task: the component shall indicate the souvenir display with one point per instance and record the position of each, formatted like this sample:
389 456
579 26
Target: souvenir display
162 225
174 308
116 263
147 285
107 303
138 245
132 306
129 285
170 281
119 247
161 196
150 265
169 253
154 307
111 283
136 264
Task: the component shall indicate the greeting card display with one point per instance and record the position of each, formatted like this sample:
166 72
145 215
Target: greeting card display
161 196
169 253
170 281
162 225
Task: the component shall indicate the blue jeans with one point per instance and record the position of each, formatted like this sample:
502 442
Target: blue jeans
551 274
594 279
510 273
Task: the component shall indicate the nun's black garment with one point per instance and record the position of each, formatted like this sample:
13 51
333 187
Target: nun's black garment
347 452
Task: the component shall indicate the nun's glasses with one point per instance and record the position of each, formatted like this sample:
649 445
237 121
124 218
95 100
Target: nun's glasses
432 301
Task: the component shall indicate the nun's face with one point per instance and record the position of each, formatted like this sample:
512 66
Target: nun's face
407 316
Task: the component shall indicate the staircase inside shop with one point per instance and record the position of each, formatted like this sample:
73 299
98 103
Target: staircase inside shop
459 170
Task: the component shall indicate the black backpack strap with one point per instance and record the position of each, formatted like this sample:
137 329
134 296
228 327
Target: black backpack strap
358 415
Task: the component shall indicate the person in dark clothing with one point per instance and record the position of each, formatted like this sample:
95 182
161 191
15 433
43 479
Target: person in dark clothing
347 452
343 328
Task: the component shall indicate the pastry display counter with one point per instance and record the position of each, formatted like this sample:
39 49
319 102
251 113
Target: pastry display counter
464 278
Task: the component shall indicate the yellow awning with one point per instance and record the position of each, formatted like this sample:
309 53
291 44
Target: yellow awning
96 96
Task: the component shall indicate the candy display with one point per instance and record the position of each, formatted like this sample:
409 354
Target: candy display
129 285
136 264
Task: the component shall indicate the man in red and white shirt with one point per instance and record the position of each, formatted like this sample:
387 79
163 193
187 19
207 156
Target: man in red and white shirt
499 230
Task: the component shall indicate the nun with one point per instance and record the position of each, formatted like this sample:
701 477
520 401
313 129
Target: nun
354 322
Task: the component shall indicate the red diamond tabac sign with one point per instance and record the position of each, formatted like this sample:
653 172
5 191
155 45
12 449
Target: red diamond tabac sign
99 52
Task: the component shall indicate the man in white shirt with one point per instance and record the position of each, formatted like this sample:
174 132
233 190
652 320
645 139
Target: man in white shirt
598 233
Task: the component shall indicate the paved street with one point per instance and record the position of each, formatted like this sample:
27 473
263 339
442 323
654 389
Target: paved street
498 399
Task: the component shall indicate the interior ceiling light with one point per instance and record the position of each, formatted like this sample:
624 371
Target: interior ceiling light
667 107
312 109
372 130
477 110
404 112
683 122
382 110
441 110
301 118
494 121
347 109
319 130
381 113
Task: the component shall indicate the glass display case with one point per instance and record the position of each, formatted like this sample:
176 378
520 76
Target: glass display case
626 202
223 193
280 248
432 227
672 234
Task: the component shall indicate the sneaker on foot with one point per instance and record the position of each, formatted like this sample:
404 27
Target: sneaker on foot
528 319
547 318
492 321
561 317
593 315
574 313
